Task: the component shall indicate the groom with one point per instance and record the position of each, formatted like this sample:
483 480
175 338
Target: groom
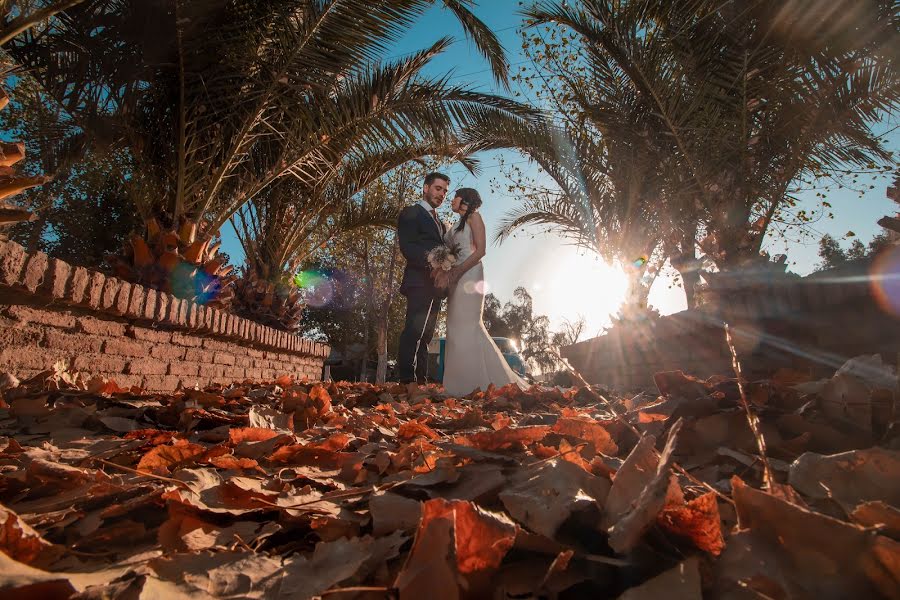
419 230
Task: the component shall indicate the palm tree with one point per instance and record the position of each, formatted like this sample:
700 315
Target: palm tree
217 100
725 104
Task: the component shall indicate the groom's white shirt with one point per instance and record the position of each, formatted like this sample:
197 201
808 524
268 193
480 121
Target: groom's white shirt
428 209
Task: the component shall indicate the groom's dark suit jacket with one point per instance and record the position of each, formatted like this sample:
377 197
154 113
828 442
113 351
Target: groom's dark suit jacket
418 234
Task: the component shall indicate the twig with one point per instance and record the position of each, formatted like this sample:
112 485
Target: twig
635 430
752 419
144 473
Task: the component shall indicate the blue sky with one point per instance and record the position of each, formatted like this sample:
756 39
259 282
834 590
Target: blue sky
566 283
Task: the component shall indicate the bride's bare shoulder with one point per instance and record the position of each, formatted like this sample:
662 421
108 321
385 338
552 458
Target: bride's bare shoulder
475 217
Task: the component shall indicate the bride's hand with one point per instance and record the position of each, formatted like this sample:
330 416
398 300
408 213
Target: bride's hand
455 274
441 279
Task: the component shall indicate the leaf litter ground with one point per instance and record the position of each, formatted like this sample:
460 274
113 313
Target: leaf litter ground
297 489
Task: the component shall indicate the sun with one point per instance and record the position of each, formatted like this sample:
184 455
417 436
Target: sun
573 284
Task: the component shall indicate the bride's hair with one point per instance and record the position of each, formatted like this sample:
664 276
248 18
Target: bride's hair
472 199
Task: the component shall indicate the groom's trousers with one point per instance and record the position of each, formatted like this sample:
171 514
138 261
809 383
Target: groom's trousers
421 317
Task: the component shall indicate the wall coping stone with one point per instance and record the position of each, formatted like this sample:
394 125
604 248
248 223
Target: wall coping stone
38 279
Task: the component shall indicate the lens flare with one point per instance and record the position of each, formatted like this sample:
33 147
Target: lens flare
482 287
317 287
884 277
639 262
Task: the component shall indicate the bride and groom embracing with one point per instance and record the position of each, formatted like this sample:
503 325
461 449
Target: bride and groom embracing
471 359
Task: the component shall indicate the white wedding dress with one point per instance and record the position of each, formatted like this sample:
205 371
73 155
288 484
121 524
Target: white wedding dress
471 358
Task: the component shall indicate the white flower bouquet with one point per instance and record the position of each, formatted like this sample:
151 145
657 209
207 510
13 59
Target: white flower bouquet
443 257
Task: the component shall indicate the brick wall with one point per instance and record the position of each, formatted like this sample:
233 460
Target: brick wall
810 324
51 311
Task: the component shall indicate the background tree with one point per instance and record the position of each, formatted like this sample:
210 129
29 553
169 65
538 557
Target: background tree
217 100
705 115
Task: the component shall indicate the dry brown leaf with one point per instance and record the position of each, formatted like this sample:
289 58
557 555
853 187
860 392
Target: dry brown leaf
162 459
629 529
413 429
543 497
788 551
20 542
392 512
264 417
238 435
698 521
482 538
850 477
589 431
21 582
506 437
679 583
880 515
630 480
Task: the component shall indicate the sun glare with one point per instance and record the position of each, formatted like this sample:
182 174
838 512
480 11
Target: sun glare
580 285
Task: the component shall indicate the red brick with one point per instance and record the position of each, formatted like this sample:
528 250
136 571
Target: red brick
13 359
149 309
184 368
150 335
123 297
136 303
235 372
253 373
186 340
198 355
191 318
268 375
147 366
93 295
182 313
161 383
72 342
174 305
162 306
12 262
212 371
221 358
167 352
125 348
199 322
243 361
253 353
93 326
77 286
110 291
58 274
128 381
213 344
27 314
35 271
21 336
99 364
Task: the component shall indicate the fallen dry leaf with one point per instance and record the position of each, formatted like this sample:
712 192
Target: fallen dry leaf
542 498
678 583
698 521
849 477
627 531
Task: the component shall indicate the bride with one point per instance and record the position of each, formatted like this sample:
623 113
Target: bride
471 358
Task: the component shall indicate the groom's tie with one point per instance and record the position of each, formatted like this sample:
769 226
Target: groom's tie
436 220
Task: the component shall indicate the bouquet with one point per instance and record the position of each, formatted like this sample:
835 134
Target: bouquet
442 258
